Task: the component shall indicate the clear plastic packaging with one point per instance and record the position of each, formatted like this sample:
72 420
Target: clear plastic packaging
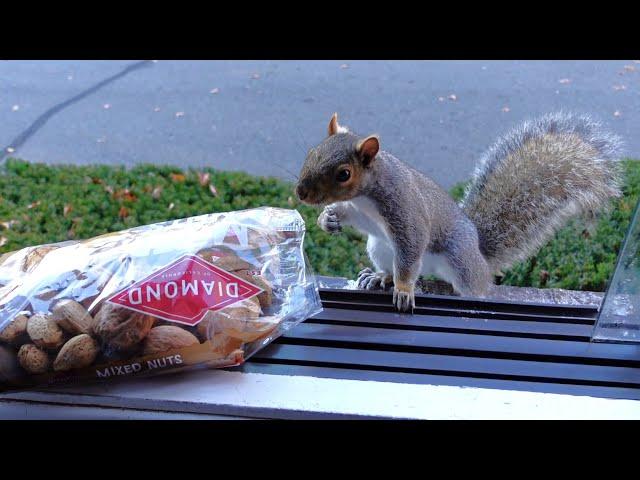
208 290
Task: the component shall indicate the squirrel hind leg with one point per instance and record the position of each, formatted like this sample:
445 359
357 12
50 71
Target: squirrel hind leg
465 268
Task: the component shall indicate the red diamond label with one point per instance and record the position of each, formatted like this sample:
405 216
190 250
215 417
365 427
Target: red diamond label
184 291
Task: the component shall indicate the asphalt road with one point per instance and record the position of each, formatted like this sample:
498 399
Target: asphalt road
264 115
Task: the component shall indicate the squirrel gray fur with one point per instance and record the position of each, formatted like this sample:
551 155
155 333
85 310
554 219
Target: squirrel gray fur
525 187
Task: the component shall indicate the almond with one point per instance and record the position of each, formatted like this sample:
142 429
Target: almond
44 332
33 359
242 323
79 352
266 296
224 344
72 316
15 331
167 337
121 328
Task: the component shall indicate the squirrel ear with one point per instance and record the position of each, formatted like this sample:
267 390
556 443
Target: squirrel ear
333 125
368 149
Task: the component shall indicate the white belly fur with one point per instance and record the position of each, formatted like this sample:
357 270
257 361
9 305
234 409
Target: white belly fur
379 246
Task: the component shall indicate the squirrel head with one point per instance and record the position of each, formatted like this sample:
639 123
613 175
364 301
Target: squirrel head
338 168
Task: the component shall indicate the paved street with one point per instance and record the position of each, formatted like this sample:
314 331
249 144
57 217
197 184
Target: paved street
262 116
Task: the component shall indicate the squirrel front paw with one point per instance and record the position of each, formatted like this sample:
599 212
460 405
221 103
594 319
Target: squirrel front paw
404 296
328 221
370 280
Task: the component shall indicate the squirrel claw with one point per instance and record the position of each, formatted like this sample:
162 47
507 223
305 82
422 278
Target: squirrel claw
370 280
328 221
402 300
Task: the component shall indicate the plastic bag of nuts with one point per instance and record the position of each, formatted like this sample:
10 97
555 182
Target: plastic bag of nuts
208 290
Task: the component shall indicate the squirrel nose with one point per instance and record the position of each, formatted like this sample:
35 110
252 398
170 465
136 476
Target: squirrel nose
301 192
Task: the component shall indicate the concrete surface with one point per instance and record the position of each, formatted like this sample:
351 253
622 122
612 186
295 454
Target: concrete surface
264 115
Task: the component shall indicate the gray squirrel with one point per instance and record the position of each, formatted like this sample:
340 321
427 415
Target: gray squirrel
525 187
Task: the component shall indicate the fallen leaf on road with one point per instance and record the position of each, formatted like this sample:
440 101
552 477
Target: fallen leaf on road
177 177
214 90
452 97
179 114
255 76
630 68
106 106
619 87
441 99
344 65
156 109
10 150
617 113
564 80
505 109
15 108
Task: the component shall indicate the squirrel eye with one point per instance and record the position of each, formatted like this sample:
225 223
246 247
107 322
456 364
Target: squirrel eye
343 175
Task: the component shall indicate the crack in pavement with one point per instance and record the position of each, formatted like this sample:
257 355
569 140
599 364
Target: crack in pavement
44 118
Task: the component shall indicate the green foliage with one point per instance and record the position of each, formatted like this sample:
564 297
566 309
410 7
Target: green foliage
44 203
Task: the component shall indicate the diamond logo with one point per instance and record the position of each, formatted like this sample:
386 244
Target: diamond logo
184 291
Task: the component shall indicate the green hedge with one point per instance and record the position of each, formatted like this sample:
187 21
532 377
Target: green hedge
43 203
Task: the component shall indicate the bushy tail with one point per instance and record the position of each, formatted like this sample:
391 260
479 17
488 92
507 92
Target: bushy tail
533 179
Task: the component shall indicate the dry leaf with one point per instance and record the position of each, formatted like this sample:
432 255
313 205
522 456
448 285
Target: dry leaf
619 87
214 90
171 205
630 68
255 76
9 224
123 212
344 65
441 99
617 113
125 194
15 108
3 241
156 109
505 109
10 149
179 114
213 190
452 97
155 194
564 80
204 179
106 106
177 177
68 208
